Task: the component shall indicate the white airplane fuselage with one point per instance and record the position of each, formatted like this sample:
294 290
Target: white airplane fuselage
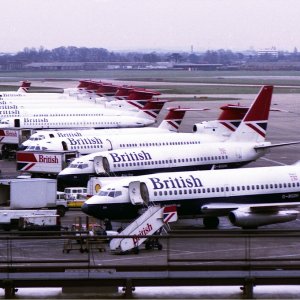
245 195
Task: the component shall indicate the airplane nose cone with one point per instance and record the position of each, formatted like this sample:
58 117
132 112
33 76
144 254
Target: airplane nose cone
85 208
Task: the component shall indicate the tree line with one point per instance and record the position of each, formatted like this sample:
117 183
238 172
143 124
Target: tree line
83 54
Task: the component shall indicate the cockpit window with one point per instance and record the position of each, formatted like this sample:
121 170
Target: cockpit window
112 194
82 166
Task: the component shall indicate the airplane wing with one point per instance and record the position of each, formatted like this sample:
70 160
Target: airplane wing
223 208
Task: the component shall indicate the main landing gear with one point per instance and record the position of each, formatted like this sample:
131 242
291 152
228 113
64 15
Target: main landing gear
211 222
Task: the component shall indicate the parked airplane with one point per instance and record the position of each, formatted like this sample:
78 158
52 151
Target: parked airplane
250 197
145 117
23 93
86 146
251 136
170 123
245 145
35 106
231 114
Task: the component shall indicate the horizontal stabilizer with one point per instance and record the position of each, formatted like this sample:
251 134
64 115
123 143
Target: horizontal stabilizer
267 146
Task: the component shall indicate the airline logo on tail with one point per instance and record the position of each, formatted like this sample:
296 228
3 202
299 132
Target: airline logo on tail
170 214
153 107
254 125
231 125
260 128
232 116
175 116
138 103
24 88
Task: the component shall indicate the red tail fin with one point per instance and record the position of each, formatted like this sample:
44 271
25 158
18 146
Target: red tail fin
123 91
260 108
175 116
152 108
254 125
83 84
92 86
24 86
232 115
107 89
139 94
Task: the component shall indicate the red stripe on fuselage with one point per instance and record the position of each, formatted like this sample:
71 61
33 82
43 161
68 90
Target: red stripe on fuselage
26 157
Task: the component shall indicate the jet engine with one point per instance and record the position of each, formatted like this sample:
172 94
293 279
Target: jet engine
249 219
202 127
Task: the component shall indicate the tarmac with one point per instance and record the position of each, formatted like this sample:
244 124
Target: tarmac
284 126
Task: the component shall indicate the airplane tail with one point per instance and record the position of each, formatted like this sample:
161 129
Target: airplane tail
254 125
228 121
142 94
83 84
174 118
24 87
123 92
232 115
151 109
106 89
92 87
138 98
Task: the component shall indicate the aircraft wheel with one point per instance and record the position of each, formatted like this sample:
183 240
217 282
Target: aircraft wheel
61 211
148 246
211 222
136 250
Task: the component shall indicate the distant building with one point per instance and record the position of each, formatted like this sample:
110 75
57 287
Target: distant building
191 66
272 52
58 66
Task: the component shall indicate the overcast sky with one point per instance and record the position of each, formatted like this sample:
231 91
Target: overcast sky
150 24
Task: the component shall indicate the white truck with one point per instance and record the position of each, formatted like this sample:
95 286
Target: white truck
29 219
41 163
75 196
11 139
30 193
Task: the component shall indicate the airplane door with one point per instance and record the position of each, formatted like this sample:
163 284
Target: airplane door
238 153
101 165
64 145
17 123
110 146
25 134
138 193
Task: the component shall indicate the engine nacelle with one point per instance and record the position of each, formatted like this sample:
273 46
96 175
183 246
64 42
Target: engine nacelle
201 127
248 219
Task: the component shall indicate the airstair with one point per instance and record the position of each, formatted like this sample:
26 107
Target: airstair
144 227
